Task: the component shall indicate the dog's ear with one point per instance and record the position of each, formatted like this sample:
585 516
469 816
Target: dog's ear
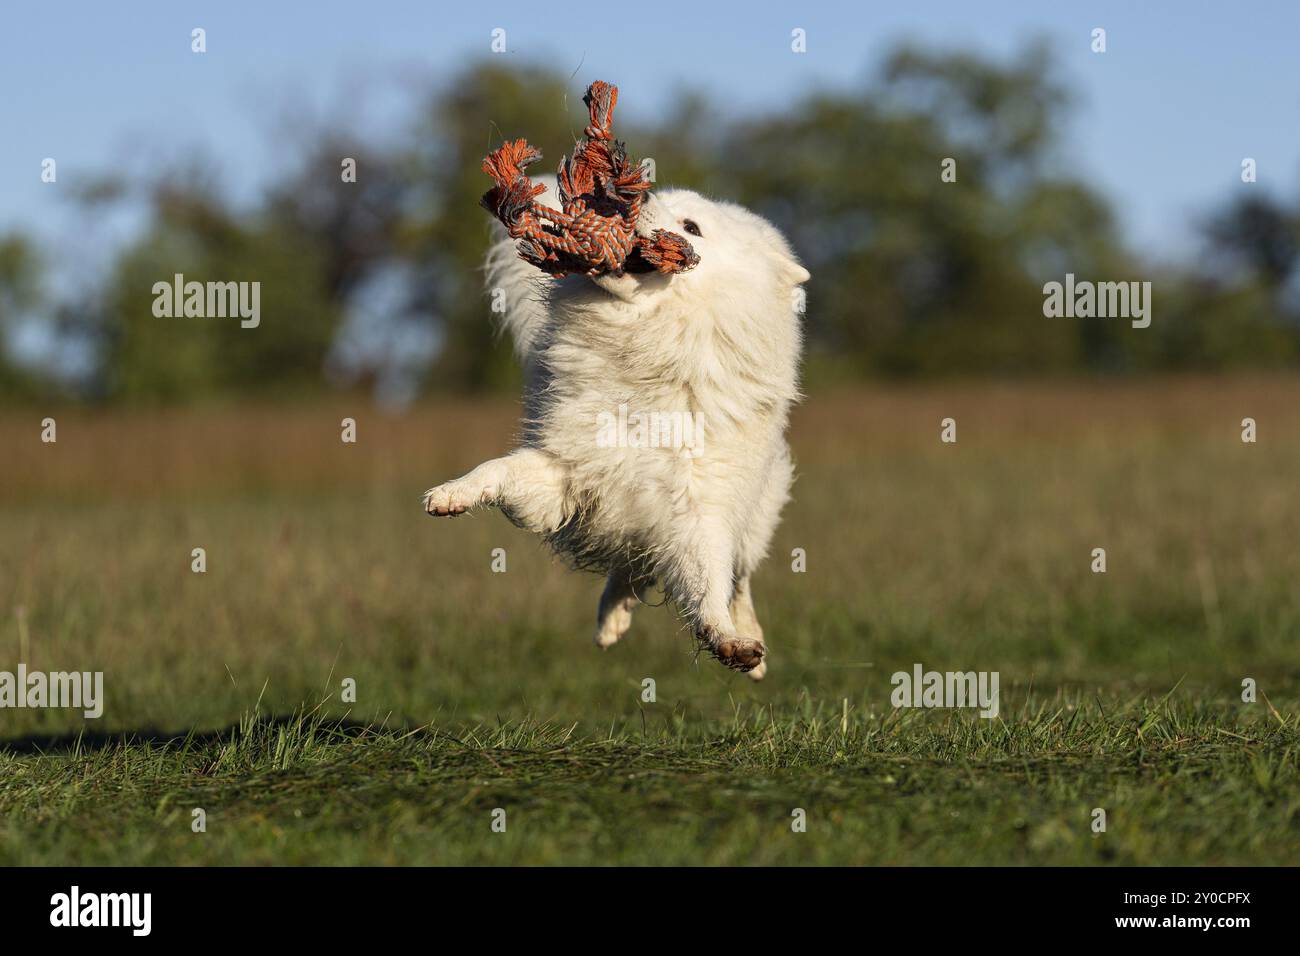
782 256
787 266
797 273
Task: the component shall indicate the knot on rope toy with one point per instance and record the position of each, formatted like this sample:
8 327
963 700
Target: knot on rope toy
601 195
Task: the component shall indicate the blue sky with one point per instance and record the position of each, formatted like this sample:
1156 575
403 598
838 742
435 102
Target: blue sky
1185 90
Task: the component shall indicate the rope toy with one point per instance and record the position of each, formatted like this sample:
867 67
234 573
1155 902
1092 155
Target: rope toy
601 194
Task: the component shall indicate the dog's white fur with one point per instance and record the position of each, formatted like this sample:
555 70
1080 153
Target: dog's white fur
721 341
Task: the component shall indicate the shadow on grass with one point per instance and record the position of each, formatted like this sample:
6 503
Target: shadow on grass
84 741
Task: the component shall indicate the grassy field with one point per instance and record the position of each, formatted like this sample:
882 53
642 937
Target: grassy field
479 690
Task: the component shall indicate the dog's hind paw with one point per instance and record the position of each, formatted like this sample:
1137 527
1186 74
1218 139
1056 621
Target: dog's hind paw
613 626
743 654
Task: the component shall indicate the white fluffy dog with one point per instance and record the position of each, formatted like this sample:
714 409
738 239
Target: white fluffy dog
716 348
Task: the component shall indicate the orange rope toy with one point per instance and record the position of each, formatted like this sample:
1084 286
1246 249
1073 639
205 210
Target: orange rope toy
601 194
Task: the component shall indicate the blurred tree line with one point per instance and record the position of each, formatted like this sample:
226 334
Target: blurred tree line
378 281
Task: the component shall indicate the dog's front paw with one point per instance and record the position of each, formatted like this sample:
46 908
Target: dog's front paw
743 654
450 499
482 486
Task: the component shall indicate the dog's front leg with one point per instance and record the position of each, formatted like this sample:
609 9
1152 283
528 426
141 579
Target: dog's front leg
527 484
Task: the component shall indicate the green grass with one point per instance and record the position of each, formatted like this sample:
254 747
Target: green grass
1178 783
478 691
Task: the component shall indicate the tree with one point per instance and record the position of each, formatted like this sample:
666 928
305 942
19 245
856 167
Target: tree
20 274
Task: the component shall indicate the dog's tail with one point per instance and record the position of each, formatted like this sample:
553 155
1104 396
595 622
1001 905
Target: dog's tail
517 289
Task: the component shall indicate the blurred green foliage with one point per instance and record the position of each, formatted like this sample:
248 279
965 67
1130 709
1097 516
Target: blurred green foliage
20 273
912 276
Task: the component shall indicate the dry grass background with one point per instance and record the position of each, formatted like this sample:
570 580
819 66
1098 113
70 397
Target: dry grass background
973 555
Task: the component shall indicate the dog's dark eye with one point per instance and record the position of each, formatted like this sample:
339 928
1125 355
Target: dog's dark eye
690 226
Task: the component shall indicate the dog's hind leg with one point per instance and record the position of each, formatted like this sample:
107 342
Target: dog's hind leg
620 597
527 485
700 578
746 621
